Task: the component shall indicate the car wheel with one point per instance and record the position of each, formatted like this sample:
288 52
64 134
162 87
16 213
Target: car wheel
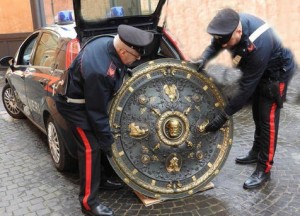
10 102
61 158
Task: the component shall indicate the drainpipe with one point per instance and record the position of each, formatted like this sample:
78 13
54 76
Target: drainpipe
38 13
52 11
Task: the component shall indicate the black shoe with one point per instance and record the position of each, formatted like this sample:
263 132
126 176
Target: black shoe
110 185
101 210
257 179
250 158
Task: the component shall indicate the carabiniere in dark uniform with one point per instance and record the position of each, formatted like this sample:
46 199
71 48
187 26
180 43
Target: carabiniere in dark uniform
266 68
83 97
89 119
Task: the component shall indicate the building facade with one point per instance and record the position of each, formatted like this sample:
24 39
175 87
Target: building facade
186 20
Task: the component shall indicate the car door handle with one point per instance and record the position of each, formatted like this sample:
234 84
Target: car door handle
43 82
27 72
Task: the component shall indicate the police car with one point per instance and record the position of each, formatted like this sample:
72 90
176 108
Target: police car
44 56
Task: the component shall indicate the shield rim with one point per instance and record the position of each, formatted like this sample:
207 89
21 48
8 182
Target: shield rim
150 190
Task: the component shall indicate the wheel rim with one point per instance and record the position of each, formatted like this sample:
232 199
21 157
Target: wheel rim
10 101
53 142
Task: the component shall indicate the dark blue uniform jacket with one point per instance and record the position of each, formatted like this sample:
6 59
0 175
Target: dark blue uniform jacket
259 63
95 75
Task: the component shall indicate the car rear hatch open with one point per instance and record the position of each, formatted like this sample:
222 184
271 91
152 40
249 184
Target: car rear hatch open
98 17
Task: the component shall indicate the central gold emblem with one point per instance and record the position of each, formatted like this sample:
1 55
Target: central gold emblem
173 128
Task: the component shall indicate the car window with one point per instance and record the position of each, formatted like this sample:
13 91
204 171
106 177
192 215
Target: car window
92 10
26 50
61 55
46 50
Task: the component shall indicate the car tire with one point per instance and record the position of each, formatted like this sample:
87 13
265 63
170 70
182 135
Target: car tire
10 102
59 154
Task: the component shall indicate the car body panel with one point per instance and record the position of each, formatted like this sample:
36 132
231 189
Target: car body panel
34 73
36 82
17 80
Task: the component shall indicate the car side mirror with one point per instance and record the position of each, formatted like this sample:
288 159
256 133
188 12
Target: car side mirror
7 61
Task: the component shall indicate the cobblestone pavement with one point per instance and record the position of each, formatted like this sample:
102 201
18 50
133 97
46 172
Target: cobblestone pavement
30 185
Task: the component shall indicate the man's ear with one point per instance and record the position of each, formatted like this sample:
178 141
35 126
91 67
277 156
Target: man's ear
122 51
240 28
239 31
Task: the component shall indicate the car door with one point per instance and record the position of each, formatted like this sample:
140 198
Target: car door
21 67
39 74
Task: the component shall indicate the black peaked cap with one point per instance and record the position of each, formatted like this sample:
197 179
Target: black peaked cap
224 23
135 38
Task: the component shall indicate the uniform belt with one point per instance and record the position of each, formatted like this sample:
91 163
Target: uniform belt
76 101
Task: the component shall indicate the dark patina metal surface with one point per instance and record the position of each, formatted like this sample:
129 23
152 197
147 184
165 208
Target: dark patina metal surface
158 119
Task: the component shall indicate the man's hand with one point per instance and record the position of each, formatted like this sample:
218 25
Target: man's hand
105 142
129 72
107 150
109 153
200 64
217 122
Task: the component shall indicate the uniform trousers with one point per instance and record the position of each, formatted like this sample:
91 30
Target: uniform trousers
89 160
266 114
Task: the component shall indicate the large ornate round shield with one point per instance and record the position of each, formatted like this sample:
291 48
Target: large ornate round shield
158 118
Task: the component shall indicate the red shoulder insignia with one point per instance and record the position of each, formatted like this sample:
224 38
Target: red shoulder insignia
111 70
251 47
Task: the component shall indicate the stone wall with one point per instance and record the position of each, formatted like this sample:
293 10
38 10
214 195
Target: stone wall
15 16
187 21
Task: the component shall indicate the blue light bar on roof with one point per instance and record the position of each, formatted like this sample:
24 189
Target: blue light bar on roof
65 17
117 11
